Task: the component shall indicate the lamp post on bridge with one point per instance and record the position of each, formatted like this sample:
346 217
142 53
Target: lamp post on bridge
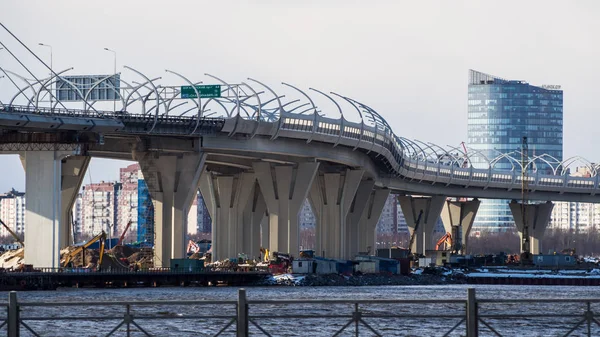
51 81
114 78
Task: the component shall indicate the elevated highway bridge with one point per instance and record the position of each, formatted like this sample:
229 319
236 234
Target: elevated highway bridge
253 152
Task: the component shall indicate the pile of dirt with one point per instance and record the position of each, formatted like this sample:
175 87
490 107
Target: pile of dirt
122 251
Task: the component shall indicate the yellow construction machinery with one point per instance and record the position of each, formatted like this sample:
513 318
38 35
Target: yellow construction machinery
265 254
81 249
14 235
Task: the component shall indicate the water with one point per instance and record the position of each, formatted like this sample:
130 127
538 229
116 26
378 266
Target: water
168 321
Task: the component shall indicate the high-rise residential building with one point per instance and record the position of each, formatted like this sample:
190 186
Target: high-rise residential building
12 212
204 221
145 228
192 219
500 113
127 205
388 221
306 217
76 212
99 208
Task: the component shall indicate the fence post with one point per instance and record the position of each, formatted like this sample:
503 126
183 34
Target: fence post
472 330
242 314
13 315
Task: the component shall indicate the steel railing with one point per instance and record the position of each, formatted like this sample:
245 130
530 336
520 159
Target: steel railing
401 161
327 317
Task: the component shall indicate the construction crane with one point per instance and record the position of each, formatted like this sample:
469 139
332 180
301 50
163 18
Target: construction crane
14 235
81 249
124 232
414 233
526 258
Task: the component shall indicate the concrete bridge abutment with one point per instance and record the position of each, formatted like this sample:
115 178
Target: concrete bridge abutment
458 217
536 217
429 210
173 182
52 181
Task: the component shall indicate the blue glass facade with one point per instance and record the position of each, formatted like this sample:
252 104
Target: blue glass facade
501 113
145 230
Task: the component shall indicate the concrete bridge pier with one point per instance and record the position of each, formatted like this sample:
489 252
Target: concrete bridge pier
537 217
52 181
172 183
226 197
368 221
331 197
284 188
253 216
430 207
458 217
353 220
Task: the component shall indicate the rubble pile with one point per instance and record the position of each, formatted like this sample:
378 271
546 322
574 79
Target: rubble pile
12 259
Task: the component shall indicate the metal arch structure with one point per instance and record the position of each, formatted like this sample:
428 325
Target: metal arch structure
242 108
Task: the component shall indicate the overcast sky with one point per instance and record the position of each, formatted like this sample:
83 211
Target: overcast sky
408 60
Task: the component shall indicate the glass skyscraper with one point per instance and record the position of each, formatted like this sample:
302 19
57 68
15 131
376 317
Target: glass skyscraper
501 113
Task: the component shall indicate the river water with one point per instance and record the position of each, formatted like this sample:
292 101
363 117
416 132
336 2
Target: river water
169 321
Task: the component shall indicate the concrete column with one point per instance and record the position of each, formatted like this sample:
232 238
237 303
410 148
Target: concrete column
284 189
370 218
355 214
458 217
430 209
45 187
72 172
254 213
172 183
332 194
228 196
537 217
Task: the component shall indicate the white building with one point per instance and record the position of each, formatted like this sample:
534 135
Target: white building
99 211
12 212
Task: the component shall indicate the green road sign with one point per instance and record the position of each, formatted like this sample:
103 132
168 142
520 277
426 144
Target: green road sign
206 91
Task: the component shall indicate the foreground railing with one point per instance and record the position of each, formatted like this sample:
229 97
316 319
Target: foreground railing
304 317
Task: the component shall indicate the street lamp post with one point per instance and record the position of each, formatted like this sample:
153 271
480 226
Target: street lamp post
114 78
51 72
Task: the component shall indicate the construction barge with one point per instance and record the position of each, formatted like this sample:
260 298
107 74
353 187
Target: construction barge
50 280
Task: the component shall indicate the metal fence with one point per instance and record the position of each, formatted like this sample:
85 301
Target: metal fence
328 317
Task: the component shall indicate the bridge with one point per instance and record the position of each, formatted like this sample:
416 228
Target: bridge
252 151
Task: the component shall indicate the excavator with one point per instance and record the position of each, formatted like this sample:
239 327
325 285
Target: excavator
68 262
447 240
265 254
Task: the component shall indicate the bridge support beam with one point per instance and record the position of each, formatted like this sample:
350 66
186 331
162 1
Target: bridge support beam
227 196
173 184
284 188
458 217
368 221
430 208
332 195
537 217
52 181
353 219
253 216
